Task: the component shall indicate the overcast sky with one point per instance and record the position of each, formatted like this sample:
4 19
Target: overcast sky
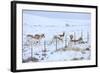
60 15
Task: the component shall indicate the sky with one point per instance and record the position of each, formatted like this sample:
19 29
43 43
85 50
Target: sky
59 15
33 17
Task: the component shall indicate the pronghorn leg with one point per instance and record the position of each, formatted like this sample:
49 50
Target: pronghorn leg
51 42
39 42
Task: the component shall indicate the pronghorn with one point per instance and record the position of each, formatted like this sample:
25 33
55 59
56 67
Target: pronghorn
80 39
36 38
58 37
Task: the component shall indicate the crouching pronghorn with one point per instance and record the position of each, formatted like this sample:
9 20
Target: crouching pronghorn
80 39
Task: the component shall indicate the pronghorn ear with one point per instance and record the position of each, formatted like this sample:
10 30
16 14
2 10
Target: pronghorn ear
63 32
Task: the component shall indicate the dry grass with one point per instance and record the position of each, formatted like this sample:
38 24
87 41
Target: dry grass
70 49
30 59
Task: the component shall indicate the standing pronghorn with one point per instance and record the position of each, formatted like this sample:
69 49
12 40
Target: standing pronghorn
58 37
36 38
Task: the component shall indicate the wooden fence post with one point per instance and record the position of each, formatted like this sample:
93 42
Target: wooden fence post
44 45
66 41
56 43
31 51
87 37
74 37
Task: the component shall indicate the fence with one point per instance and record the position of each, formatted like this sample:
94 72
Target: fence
45 46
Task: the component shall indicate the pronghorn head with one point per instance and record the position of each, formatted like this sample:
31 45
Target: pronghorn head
63 33
40 35
29 35
43 35
71 36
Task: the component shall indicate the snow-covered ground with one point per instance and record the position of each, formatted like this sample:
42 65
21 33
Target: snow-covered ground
51 24
52 54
